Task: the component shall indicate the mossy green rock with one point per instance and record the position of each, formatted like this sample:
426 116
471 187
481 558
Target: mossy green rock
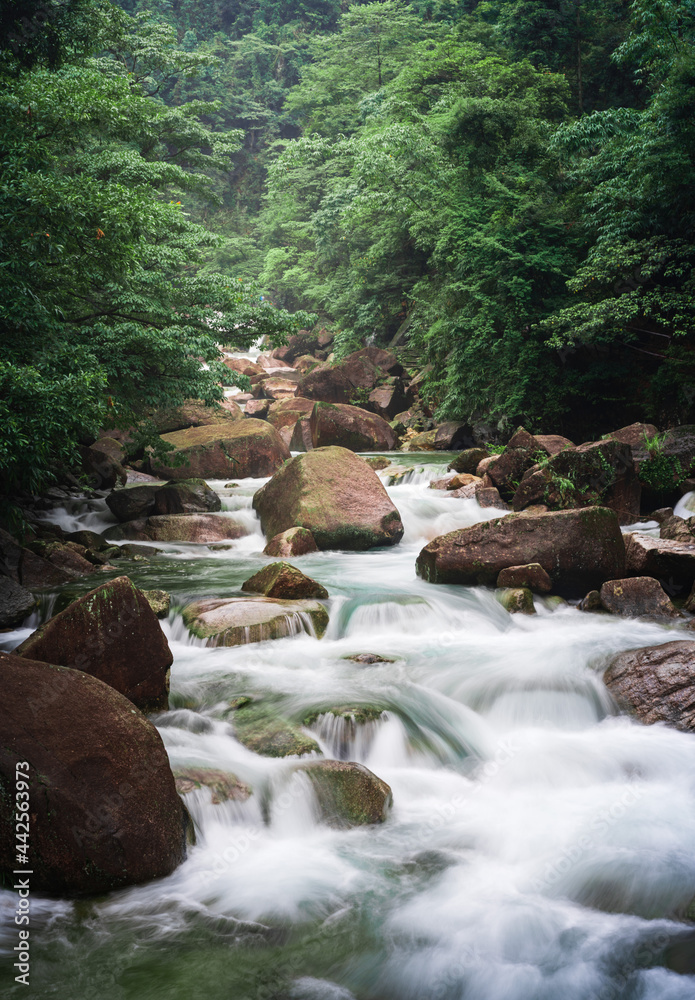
578 549
282 580
159 601
264 732
359 714
242 448
236 621
517 600
333 493
348 794
293 542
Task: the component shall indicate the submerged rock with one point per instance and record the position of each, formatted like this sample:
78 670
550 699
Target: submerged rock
243 448
263 731
635 597
236 621
369 659
578 549
656 683
517 600
348 794
113 634
282 580
333 493
293 542
224 785
197 528
15 603
104 808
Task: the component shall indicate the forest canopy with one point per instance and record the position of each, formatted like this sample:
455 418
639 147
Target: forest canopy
505 189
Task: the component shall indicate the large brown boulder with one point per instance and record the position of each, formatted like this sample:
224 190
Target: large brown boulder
280 579
348 794
286 412
635 597
194 528
452 435
349 427
245 448
301 439
279 388
101 796
333 493
670 561
656 683
236 621
298 344
578 549
113 634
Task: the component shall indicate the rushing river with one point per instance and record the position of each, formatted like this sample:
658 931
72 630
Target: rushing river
540 846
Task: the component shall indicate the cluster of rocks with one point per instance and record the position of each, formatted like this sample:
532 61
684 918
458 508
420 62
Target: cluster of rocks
107 811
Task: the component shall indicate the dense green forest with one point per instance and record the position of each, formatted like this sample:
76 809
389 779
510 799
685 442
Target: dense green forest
507 188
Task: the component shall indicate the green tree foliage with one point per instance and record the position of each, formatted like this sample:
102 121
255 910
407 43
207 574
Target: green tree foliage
634 294
106 305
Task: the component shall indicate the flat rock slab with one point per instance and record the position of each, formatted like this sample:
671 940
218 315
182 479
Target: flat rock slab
656 684
243 448
113 634
103 804
578 549
196 528
236 621
667 560
333 493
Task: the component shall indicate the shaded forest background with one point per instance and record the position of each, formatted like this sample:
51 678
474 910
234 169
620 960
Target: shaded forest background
504 189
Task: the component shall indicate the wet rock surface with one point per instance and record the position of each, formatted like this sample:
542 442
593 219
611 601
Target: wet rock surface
112 634
284 581
236 621
105 813
334 494
656 683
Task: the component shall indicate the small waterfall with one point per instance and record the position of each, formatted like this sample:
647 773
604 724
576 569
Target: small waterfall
344 738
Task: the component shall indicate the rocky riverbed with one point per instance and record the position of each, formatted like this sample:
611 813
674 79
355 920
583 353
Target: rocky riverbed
499 822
